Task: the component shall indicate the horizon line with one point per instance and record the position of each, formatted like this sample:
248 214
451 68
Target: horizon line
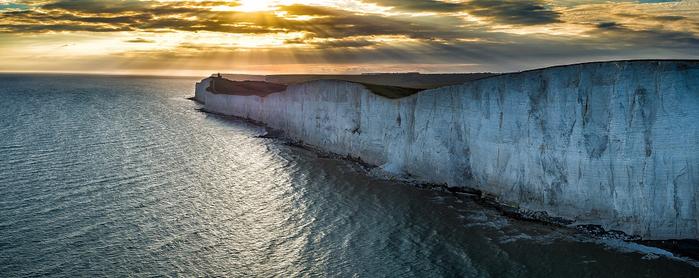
164 73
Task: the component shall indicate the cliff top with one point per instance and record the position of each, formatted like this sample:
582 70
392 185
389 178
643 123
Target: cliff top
220 85
391 91
694 61
389 85
224 86
404 80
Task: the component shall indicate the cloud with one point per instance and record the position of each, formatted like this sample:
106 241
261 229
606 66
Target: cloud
134 6
523 12
520 12
623 36
139 40
351 42
129 15
608 25
668 17
420 5
95 6
656 18
506 33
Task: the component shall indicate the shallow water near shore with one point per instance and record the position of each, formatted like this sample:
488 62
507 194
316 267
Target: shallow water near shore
122 176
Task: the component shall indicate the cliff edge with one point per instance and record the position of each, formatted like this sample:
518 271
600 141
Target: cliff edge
614 144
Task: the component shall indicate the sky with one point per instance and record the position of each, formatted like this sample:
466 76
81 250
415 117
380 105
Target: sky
337 36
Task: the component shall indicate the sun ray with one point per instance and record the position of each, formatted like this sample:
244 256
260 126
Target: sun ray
255 5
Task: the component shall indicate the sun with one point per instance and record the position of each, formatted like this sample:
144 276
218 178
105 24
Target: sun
255 5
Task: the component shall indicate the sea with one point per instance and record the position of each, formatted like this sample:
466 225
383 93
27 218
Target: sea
123 176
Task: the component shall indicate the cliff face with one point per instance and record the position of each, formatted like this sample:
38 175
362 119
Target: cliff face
614 144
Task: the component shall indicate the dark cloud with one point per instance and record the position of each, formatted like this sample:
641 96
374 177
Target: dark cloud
95 6
608 25
140 40
28 28
299 9
661 18
668 17
520 12
134 6
420 5
619 36
334 23
341 43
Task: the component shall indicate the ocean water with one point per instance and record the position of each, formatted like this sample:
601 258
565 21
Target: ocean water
122 176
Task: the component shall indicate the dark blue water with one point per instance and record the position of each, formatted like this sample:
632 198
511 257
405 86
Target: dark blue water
121 176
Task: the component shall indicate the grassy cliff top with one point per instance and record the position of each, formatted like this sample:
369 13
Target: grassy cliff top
404 80
391 85
388 85
391 91
224 86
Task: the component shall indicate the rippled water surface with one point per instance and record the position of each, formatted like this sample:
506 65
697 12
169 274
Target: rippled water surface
121 176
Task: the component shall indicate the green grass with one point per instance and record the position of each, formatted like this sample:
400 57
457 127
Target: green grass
393 92
261 88
244 88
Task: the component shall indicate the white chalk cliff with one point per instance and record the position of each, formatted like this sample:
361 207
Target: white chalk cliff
614 143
